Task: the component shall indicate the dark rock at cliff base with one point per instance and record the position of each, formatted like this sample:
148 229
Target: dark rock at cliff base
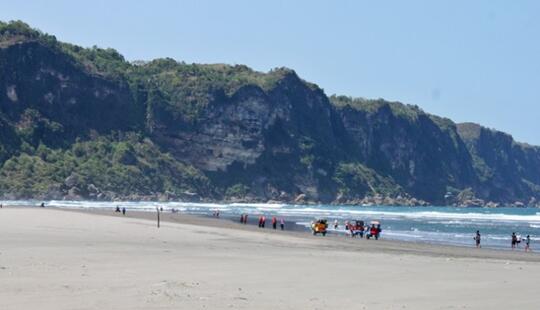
72 180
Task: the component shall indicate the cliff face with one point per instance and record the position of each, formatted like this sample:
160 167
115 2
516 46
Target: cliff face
279 143
422 153
84 123
508 171
46 91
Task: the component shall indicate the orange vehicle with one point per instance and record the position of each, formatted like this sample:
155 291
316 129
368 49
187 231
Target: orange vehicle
319 227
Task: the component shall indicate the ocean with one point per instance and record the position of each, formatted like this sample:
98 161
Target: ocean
438 225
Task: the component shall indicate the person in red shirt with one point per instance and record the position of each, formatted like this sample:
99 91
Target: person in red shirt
373 232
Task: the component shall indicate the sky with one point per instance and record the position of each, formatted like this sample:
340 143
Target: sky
471 61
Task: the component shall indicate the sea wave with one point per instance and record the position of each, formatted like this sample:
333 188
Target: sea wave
465 216
455 217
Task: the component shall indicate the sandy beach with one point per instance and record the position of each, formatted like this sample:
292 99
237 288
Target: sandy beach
58 259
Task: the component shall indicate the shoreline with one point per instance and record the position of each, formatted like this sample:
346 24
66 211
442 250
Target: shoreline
331 240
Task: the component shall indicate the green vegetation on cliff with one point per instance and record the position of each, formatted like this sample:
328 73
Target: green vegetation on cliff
357 180
126 165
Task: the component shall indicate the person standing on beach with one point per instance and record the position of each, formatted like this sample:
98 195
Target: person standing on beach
528 243
274 222
373 231
336 225
378 233
117 209
263 221
514 240
260 221
477 239
282 224
245 218
124 211
242 218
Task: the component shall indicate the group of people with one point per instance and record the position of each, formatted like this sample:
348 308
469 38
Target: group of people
262 221
117 210
515 241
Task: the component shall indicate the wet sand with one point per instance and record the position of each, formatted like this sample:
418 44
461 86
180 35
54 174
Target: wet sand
97 259
335 240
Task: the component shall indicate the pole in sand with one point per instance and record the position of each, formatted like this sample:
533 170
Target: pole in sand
157 210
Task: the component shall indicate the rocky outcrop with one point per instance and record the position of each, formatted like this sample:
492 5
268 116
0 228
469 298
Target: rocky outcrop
231 130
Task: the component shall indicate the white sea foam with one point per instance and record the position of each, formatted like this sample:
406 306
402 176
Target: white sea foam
466 216
470 216
257 205
405 234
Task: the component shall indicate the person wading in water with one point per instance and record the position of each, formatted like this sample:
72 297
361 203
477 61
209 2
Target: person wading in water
514 240
477 239
528 243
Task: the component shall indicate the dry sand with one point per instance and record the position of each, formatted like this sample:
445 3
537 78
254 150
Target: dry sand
53 259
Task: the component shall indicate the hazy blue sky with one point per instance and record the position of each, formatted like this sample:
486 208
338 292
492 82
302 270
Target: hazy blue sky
467 60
